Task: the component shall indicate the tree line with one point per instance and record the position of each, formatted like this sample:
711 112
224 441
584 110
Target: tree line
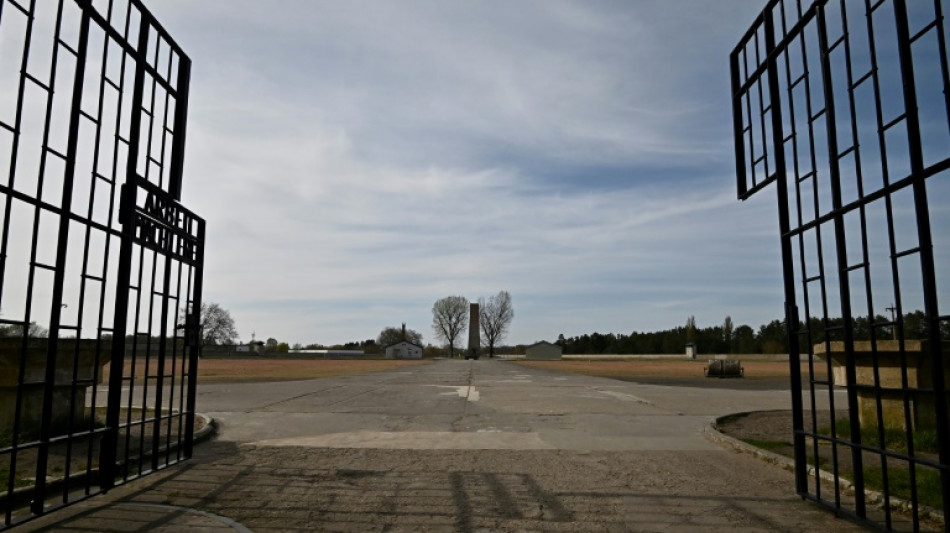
769 338
743 339
451 319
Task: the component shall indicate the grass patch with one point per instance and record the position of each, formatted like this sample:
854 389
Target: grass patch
925 440
27 433
929 490
18 482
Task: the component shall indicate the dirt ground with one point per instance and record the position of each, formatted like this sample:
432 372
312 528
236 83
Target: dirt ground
214 370
772 427
243 370
758 375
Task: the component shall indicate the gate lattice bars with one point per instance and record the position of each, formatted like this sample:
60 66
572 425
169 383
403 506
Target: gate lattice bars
843 105
100 265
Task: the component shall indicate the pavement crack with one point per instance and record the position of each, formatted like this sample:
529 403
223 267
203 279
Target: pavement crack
469 383
304 395
469 378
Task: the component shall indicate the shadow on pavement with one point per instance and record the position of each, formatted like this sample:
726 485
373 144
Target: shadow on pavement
228 487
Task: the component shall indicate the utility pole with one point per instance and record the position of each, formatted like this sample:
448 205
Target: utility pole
893 311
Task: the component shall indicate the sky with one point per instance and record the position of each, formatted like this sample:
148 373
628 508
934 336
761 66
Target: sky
357 161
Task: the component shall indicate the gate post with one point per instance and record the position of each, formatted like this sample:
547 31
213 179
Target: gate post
127 201
193 343
788 258
925 240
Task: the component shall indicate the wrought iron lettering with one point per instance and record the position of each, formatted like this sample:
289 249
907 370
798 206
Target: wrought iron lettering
161 224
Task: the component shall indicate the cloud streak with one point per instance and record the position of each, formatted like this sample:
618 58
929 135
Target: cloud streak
357 161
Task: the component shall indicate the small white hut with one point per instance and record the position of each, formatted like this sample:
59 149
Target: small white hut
404 350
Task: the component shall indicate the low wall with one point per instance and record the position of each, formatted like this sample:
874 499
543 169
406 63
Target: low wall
69 398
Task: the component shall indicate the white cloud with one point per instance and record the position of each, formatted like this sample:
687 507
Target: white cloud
356 161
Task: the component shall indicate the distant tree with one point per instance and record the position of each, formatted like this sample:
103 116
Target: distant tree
494 319
449 319
37 331
392 335
915 325
217 326
598 343
271 344
744 338
727 330
772 337
370 346
691 329
34 331
282 347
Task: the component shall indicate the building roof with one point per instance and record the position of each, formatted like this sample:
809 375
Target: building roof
404 341
544 343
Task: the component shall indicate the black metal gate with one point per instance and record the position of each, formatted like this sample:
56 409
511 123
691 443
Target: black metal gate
100 265
843 104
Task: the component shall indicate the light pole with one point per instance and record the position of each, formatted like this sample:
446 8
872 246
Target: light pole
893 311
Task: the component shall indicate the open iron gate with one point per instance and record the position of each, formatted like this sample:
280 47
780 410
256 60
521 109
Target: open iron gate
843 105
100 265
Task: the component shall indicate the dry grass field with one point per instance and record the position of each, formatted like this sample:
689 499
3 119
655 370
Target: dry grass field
667 371
664 371
218 370
243 370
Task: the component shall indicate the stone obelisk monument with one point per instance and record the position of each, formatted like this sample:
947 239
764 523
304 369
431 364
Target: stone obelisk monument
473 333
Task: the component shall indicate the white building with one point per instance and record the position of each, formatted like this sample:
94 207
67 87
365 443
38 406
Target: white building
404 350
251 348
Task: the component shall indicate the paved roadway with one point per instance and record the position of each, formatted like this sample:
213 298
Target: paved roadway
475 405
465 446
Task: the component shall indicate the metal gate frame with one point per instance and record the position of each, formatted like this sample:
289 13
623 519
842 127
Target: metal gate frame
95 249
829 106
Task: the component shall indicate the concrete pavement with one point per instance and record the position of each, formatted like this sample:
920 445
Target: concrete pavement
461 446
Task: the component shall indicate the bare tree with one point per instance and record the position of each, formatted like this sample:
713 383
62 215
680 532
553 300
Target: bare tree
494 318
217 326
392 335
448 319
